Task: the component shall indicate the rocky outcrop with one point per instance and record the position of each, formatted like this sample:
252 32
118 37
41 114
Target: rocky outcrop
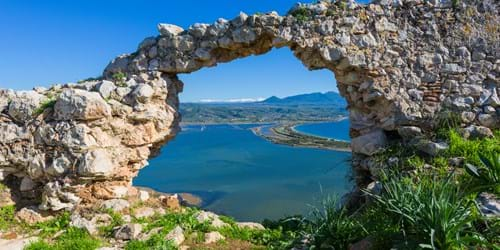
399 64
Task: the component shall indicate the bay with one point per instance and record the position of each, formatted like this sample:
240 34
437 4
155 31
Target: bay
335 130
245 176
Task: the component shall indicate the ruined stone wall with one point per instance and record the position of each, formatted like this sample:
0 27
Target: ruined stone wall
399 64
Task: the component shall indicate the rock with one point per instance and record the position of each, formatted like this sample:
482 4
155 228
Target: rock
27 184
453 68
367 243
489 204
143 212
16 244
116 205
169 30
58 166
488 120
143 195
75 104
409 132
369 144
214 219
172 202
105 88
476 132
96 163
128 231
213 237
80 222
31 216
176 236
142 93
24 106
375 187
250 225
432 148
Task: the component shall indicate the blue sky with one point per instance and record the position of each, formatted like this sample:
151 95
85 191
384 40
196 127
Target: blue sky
47 42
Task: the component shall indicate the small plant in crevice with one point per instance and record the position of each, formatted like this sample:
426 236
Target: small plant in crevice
119 79
302 14
47 104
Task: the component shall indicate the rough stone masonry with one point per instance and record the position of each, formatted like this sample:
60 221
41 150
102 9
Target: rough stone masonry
399 64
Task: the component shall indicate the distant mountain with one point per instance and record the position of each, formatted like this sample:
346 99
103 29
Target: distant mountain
328 98
306 107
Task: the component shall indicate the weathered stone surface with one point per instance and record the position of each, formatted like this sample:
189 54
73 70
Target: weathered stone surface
370 143
128 231
75 104
95 163
251 225
204 216
489 204
116 205
213 237
398 64
176 236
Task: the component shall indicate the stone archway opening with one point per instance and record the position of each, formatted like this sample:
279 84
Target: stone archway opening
228 165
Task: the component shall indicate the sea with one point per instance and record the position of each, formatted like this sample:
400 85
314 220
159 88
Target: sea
240 174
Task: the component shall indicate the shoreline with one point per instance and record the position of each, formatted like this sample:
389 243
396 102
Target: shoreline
285 134
298 122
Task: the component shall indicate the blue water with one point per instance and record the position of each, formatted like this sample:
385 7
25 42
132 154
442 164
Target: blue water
335 130
242 175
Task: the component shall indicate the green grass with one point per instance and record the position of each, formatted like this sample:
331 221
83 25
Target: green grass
156 242
50 227
432 210
7 216
73 238
470 149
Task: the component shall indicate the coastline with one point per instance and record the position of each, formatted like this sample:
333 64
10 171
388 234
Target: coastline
285 134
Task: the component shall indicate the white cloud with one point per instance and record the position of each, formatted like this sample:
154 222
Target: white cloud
236 100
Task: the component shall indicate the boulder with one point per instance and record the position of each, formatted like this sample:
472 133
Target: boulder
476 132
213 237
80 222
27 184
75 104
432 148
142 93
250 225
369 144
489 204
106 88
143 195
116 205
31 216
169 30
143 212
95 163
176 236
25 105
215 221
130 231
409 132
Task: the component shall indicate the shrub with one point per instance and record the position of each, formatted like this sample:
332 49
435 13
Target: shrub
302 14
433 211
332 227
487 174
119 79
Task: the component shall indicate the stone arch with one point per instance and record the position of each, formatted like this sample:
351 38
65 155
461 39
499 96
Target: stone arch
396 63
